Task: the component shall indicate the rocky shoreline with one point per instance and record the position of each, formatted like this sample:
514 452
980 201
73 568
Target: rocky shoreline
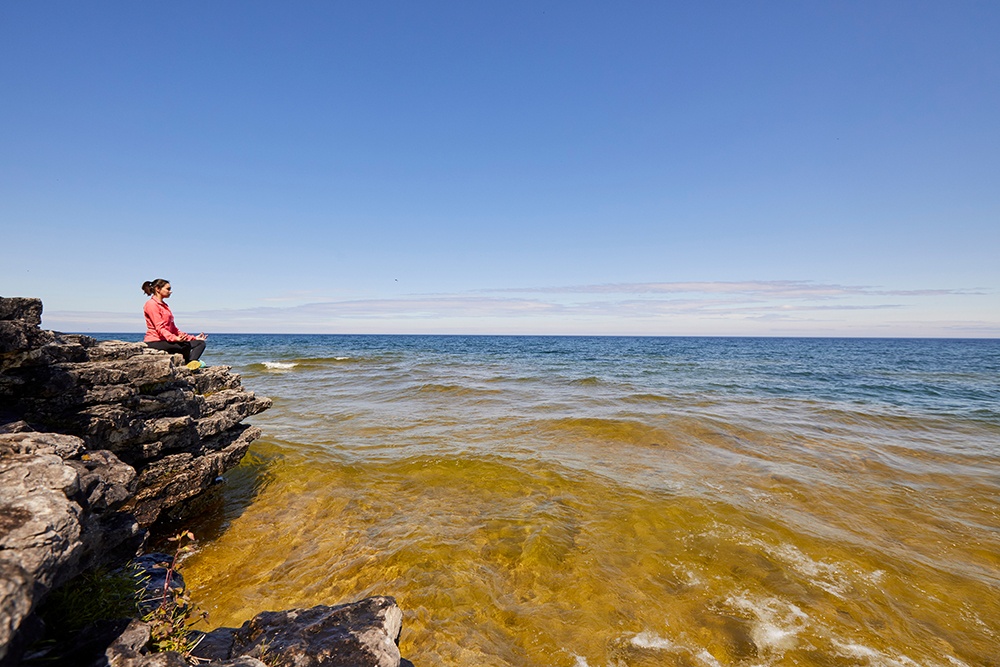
97 440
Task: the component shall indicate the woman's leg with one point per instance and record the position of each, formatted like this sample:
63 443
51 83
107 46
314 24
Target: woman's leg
183 347
197 348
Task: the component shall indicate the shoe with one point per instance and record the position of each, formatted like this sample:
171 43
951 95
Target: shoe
194 365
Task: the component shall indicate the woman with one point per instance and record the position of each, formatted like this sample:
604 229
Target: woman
162 333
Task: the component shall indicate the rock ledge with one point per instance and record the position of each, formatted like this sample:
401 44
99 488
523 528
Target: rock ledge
97 439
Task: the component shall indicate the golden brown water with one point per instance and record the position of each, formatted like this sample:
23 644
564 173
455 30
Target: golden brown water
600 523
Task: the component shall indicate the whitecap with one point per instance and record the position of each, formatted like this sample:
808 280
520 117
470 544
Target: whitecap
279 365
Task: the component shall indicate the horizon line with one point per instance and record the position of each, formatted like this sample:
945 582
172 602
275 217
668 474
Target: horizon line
543 335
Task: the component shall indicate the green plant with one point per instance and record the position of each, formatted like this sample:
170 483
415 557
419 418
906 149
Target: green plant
173 619
97 595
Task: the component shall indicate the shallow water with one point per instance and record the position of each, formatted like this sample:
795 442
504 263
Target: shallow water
622 501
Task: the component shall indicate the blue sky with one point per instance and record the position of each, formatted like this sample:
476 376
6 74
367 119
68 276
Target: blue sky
716 168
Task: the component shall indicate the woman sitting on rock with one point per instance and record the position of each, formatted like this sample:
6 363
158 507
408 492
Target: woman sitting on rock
162 333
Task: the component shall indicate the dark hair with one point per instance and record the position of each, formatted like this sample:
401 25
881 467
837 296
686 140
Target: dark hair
152 285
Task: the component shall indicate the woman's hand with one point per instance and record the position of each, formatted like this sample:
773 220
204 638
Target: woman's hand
201 336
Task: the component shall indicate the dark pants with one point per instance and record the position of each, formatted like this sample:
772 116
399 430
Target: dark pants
191 349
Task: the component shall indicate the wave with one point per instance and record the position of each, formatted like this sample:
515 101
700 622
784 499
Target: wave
647 398
321 361
279 365
617 430
300 363
896 420
455 389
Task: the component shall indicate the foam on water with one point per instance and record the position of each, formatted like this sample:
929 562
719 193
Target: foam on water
707 658
776 623
875 658
651 641
648 639
826 575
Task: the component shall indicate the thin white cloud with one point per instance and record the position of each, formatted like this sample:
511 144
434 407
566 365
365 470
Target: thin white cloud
688 307
417 307
718 307
93 317
765 288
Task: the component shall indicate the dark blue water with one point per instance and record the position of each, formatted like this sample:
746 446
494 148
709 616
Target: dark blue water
957 378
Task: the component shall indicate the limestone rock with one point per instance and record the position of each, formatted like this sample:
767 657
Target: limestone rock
109 539
215 378
62 494
105 482
169 659
39 534
110 350
57 517
16 601
27 310
131 649
30 442
12 425
130 644
177 477
38 522
19 326
228 408
16 335
216 646
358 634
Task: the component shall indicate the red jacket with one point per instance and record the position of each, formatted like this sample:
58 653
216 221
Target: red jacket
160 323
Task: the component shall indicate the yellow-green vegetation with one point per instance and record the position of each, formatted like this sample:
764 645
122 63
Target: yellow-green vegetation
97 595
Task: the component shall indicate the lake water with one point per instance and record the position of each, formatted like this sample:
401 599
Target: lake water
621 501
